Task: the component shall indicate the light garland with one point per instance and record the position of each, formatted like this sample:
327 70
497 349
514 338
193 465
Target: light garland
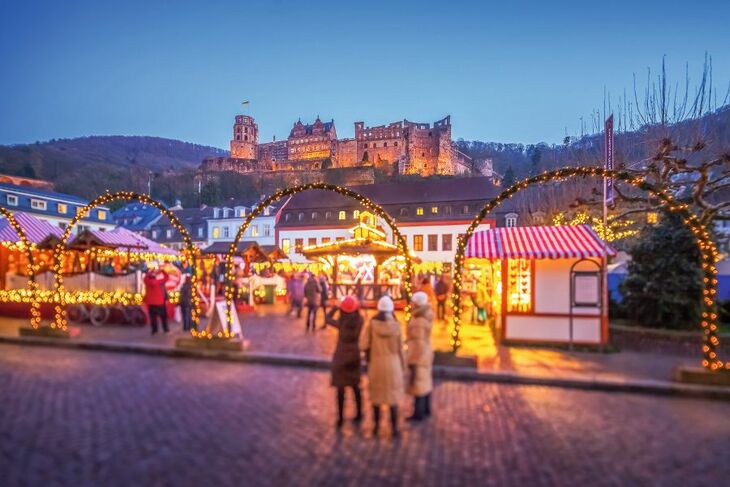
59 298
613 230
364 201
31 268
705 244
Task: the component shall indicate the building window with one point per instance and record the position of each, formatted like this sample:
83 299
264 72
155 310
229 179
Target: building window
434 209
510 220
355 214
168 233
226 232
286 217
433 243
315 215
465 210
216 232
12 200
652 218
419 211
339 239
311 241
154 233
285 245
255 231
38 205
519 285
342 215
300 217
446 241
395 143
404 212
62 208
325 240
418 243
447 210
267 230
102 215
298 244
327 215
200 231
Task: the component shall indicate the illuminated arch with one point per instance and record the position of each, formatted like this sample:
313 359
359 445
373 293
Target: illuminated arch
706 246
366 202
35 305
60 320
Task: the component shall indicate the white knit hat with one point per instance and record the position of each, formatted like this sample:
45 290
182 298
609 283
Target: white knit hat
420 298
385 304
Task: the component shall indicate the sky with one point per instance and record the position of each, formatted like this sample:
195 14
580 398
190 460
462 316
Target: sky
512 71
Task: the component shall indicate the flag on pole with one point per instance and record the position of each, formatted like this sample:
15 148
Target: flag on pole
608 193
244 102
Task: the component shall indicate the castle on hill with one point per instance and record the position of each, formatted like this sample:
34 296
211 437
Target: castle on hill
402 147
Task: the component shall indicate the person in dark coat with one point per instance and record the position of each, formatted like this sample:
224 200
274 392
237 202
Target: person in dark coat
346 359
186 302
441 291
324 287
313 294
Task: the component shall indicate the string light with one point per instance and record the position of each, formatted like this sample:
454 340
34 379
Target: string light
708 250
60 297
24 244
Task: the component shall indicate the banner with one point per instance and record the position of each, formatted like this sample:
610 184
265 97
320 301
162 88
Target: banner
608 193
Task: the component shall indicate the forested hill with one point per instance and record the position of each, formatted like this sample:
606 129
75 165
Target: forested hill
86 166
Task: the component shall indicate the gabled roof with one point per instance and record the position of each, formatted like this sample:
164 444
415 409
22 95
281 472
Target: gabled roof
136 216
35 229
308 128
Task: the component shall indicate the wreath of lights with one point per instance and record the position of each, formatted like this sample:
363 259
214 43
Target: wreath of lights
60 297
28 295
709 253
364 201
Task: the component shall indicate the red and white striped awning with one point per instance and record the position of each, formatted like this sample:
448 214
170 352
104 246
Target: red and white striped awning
541 242
35 229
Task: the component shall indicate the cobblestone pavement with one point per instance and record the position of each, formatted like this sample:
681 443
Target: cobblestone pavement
270 330
91 418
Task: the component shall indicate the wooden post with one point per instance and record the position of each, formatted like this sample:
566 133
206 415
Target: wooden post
334 279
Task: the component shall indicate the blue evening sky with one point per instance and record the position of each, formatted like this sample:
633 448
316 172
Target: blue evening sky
511 71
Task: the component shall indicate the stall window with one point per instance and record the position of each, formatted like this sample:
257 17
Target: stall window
433 243
519 285
446 240
418 243
298 244
285 245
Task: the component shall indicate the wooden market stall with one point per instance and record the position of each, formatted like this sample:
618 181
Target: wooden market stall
542 284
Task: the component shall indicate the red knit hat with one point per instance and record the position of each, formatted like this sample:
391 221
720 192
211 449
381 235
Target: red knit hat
349 304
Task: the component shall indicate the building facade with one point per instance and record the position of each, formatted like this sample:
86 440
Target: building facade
57 209
226 220
195 221
400 147
430 214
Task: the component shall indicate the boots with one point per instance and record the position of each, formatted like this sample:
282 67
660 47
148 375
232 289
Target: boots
394 421
419 406
427 405
340 406
358 404
376 420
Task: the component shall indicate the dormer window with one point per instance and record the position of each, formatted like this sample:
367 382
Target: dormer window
38 204
315 215
419 211
300 217
510 220
286 217
404 212
12 200
342 215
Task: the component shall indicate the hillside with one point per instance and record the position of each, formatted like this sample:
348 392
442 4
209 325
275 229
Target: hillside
89 165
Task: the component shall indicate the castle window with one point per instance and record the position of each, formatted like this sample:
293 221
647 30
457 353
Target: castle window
342 215
404 212
245 137
365 145
429 134
419 211
395 143
385 144
423 154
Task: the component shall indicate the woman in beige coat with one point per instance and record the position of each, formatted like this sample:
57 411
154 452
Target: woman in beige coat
420 356
382 342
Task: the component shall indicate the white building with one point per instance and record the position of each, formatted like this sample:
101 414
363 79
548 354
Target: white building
226 220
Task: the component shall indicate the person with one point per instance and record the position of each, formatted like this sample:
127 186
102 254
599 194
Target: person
325 296
346 359
186 302
420 356
360 291
313 294
295 290
382 342
155 296
427 288
441 291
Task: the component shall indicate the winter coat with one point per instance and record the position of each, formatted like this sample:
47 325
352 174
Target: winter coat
186 294
442 289
154 288
312 292
420 353
295 288
383 341
346 359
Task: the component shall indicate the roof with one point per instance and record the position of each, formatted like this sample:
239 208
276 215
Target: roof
539 242
136 216
308 128
25 195
35 229
402 192
122 238
43 193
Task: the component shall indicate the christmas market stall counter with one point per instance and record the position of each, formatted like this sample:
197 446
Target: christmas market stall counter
541 284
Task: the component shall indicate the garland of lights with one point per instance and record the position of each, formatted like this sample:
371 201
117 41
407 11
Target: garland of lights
704 242
32 291
60 297
366 202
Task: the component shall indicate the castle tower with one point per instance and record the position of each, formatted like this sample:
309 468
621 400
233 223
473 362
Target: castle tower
245 138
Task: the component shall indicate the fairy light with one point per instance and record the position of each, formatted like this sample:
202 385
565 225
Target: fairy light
708 250
24 244
401 243
60 297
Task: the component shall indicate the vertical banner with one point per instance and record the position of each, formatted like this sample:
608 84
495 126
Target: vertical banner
608 193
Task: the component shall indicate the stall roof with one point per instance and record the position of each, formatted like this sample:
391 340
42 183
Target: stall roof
121 238
35 228
539 242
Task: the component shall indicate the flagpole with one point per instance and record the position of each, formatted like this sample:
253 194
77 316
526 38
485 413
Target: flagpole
607 187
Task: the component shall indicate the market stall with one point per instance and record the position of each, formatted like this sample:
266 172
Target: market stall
540 284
